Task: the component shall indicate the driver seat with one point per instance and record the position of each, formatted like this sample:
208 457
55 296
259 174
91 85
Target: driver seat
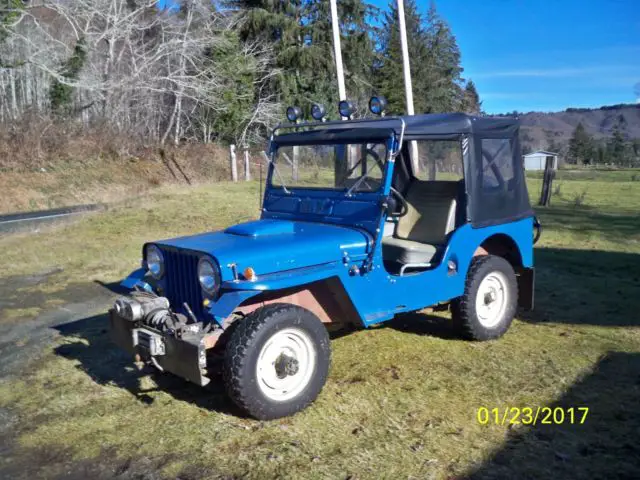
423 231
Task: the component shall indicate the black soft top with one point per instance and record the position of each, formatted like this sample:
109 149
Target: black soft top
444 124
435 125
494 179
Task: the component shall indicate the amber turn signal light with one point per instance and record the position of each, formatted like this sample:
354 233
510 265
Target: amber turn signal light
250 274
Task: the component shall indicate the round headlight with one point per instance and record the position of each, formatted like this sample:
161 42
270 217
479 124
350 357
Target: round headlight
208 276
377 105
155 262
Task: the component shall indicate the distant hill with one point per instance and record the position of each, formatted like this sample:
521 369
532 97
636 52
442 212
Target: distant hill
553 130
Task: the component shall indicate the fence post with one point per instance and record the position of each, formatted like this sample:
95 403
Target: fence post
234 164
247 169
547 183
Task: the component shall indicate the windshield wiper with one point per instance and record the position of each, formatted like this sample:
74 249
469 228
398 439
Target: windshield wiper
284 187
275 169
355 185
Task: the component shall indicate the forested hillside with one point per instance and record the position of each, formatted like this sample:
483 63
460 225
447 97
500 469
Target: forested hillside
111 73
608 134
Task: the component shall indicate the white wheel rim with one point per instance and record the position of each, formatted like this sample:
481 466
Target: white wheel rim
492 299
286 364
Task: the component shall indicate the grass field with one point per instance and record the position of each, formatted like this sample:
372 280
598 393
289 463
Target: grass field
401 400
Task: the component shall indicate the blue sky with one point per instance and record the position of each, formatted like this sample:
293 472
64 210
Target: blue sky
546 55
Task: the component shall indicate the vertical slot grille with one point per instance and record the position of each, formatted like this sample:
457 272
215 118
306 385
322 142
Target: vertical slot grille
181 281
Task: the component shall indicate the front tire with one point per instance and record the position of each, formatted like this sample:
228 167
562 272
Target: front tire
487 307
277 361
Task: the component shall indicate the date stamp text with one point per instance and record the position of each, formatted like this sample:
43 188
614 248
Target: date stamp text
532 415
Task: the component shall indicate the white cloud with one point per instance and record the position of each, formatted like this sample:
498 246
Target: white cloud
503 96
543 73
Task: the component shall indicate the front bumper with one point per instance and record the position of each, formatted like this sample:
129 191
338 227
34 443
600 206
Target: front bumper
185 357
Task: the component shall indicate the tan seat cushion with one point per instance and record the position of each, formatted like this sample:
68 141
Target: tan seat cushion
407 251
432 212
431 216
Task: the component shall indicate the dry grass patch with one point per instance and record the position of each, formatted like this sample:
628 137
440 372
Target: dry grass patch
401 400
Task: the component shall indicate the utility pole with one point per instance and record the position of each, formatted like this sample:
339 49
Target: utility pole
341 167
406 67
337 49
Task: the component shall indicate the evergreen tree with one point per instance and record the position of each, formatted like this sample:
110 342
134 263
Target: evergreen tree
300 36
9 13
581 147
442 79
617 147
238 94
390 73
434 60
358 48
60 93
471 100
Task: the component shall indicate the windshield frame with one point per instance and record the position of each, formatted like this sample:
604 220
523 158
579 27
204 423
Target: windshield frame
388 143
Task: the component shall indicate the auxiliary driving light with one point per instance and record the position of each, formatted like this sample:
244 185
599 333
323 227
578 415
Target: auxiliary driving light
377 105
318 112
293 114
346 109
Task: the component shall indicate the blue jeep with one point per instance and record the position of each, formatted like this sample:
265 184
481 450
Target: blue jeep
361 220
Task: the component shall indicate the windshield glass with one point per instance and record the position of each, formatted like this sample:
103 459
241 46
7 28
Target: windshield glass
357 167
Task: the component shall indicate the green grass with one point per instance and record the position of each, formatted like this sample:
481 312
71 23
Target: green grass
401 400
594 174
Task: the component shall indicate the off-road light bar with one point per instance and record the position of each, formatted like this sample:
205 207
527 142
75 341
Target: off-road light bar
346 109
377 105
294 114
318 112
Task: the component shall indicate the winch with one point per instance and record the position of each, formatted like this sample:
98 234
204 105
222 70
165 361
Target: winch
150 309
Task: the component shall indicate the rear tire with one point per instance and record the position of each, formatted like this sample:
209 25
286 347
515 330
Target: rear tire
487 307
277 361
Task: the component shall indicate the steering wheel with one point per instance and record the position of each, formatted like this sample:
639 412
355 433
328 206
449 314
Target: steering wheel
404 206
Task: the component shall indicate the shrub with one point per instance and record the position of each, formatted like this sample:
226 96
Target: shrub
579 198
558 190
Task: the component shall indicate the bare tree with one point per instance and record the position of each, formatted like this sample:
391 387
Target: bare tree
143 71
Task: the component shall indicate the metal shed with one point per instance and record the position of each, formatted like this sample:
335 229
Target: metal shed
538 160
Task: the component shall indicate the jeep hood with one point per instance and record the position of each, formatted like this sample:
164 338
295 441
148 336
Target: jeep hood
270 246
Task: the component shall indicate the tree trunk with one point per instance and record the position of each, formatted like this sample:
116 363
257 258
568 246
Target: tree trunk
14 97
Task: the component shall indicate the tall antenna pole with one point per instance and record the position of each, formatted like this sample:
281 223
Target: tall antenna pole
406 67
337 50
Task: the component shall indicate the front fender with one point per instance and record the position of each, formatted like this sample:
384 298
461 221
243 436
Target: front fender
285 279
235 293
135 279
228 303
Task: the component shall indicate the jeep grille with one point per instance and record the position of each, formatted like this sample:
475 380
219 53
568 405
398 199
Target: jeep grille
181 281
